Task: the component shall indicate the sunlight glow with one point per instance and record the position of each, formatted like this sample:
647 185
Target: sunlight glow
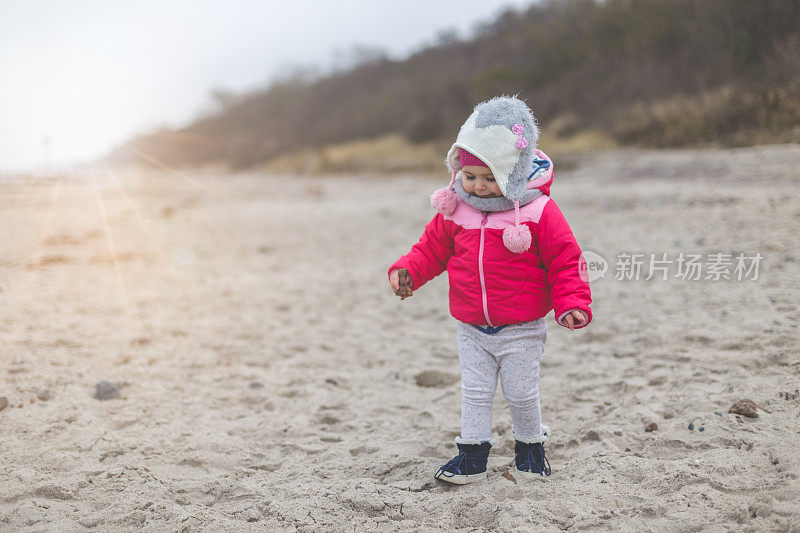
112 249
28 270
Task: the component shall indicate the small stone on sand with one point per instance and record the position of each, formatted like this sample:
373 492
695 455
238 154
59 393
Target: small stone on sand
106 390
434 378
3 402
745 407
691 426
256 385
43 395
591 435
652 426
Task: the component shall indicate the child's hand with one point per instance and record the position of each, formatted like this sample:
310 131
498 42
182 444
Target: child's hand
401 283
572 318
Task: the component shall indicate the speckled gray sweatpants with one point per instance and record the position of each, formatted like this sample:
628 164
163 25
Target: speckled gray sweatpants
514 353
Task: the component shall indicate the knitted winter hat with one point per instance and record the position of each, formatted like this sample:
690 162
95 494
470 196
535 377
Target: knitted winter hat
467 159
501 132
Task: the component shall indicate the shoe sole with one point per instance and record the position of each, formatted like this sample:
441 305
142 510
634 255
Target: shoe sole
461 479
523 474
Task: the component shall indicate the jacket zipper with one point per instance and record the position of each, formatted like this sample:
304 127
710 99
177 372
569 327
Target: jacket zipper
480 271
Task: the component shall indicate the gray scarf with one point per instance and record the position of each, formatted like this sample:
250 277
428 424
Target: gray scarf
501 203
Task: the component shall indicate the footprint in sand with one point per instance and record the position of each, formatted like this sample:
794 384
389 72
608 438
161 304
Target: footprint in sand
363 450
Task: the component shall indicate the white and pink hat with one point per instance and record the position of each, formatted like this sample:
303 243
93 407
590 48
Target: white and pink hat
500 134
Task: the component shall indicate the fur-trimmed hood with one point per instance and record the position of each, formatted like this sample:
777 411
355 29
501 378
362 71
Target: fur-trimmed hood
503 133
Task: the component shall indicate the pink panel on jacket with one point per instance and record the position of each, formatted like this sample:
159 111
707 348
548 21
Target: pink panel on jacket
468 217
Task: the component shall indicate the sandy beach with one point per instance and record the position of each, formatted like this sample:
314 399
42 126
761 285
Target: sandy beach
265 378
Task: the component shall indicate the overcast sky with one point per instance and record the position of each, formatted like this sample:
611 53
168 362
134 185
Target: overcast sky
78 77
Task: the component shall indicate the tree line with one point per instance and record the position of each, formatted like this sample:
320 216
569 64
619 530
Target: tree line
642 72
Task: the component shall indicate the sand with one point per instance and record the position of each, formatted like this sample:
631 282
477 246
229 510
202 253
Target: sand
190 291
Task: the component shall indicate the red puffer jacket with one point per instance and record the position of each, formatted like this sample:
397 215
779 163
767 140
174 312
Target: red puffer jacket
490 285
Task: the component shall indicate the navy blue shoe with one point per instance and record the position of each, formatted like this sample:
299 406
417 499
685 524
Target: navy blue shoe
468 466
530 459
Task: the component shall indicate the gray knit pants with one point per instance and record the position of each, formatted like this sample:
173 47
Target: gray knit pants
514 353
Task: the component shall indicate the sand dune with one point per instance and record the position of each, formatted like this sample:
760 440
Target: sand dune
269 380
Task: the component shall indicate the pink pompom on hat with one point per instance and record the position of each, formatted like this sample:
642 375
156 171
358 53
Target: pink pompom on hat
467 159
445 200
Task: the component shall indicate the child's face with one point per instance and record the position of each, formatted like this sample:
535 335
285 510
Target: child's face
478 181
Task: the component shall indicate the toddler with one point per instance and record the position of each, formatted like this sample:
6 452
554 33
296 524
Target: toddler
511 257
